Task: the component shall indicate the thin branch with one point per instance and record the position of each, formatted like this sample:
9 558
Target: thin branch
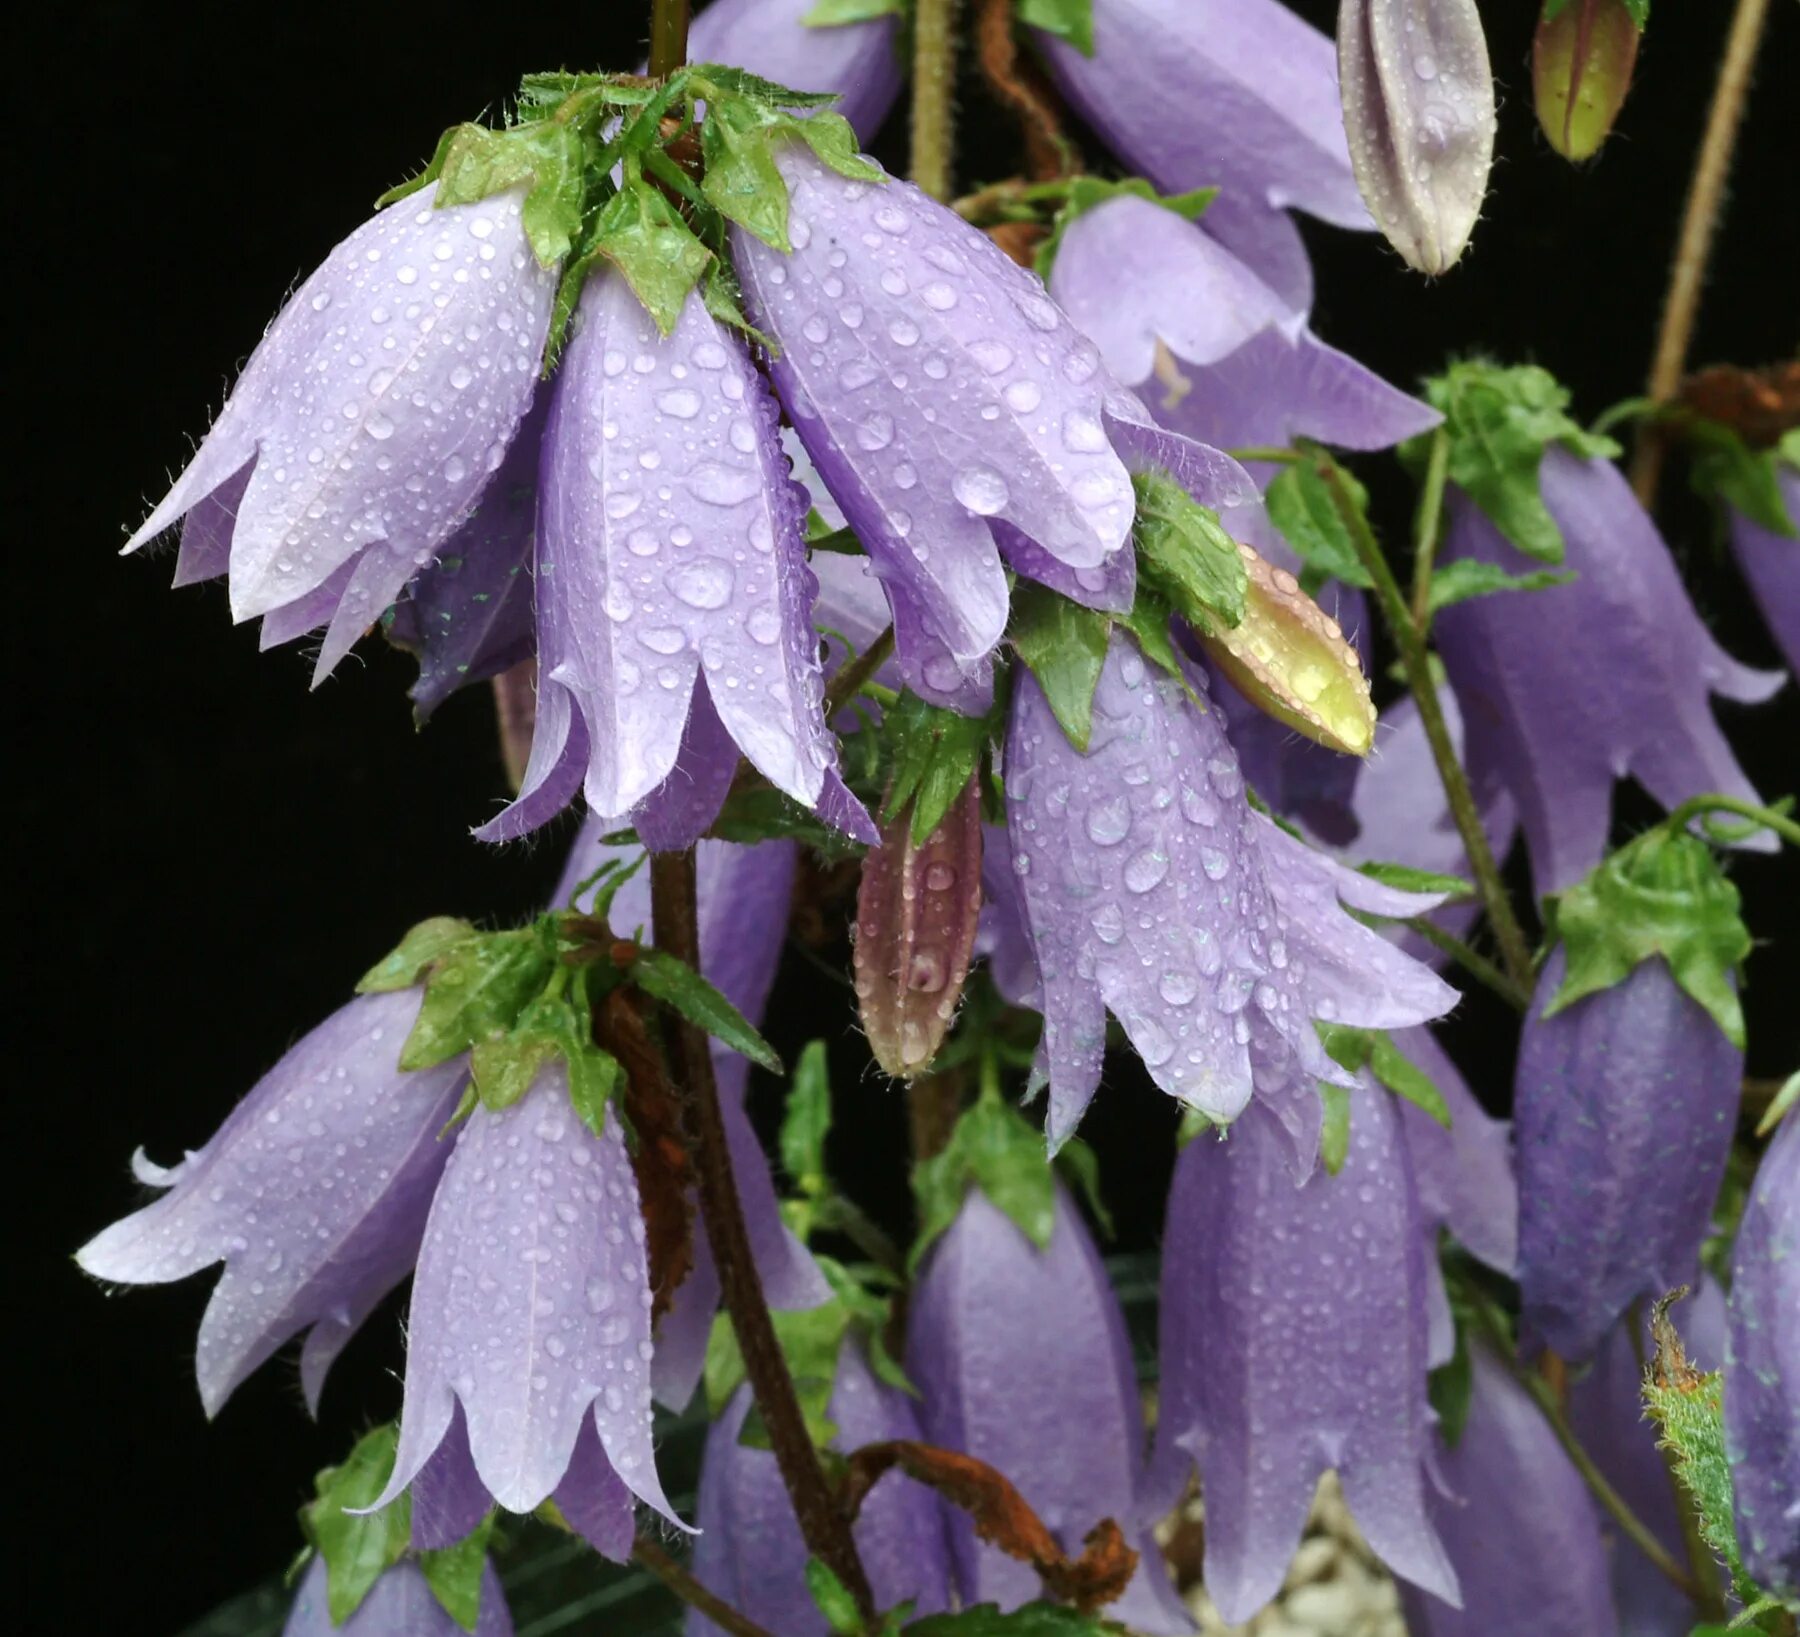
851 676
934 97
690 1591
1427 526
1472 961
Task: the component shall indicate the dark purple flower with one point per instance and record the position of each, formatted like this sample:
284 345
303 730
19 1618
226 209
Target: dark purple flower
1023 1361
313 1193
1771 563
401 1604
1567 689
1623 1106
1153 889
750 1552
368 421
1294 1338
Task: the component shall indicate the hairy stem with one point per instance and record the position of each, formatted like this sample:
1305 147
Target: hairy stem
1022 88
675 919
1713 802
690 1591
934 97
1426 527
668 36
1687 270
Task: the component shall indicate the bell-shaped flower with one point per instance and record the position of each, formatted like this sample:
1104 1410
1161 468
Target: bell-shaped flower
313 1194
1517 1522
1771 563
400 1604
1241 95
368 421
1566 689
1624 1105
673 598
750 1551
1024 1363
1214 350
1152 888
1762 1368
1293 1339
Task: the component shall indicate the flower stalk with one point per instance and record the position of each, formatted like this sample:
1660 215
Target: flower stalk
934 97
1428 526
668 36
651 1556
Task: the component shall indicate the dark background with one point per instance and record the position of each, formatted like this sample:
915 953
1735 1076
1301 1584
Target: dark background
212 853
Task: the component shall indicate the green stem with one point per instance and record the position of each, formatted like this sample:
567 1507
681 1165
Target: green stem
855 673
691 1592
1274 454
1515 953
845 1216
1472 961
668 36
934 97
1713 802
1426 524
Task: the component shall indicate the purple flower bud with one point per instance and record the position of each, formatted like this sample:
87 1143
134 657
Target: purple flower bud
1567 689
749 1550
368 420
1294 1339
988 1312
1518 1524
401 1604
1771 563
1762 1368
1623 1109
1152 888
313 1193
1419 111
671 579
1234 363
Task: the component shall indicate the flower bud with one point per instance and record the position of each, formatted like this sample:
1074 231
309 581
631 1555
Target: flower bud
1581 61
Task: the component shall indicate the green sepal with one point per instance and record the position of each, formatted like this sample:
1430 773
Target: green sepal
476 992
1406 879
934 752
1032 1620
433 169
1148 621
760 812
454 1574
1724 468
831 1597
1372 1049
1187 555
810 1338
1301 505
1499 422
996 1150
835 13
357 1550
643 235
1334 1127
1084 193
1470 577
1063 645
553 1025
675 983
1071 20
1637 10
806 1120
1451 1386
742 182
549 157
1080 1166
720 82
422 947
1665 895
870 1316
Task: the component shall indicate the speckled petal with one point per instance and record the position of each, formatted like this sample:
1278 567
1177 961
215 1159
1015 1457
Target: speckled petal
313 1193
1771 563
1622 639
1623 1107
401 1604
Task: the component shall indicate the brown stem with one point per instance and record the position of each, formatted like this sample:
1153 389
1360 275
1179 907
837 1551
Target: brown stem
1022 88
668 36
675 924
691 1592
1687 270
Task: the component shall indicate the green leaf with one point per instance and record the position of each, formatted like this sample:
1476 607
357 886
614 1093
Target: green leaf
643 235
994 1149
549 157
675 983
833 13
1470 577
475 993
1405 1079
1407 879
1450 1387
1662 895
811 1339
1033 1620
1185 551
1499 422
1071 20
935 753
807 1119
357 1550
1084 193
454 1574
1081 1165
1334 1132
1148 621
422 947
759 812
833 1600
1301 506
1725 468
1064 647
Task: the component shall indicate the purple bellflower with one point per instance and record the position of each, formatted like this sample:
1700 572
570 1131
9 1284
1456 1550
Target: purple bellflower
368 421
1294 1338
1565 690
1152 888
750 1552
1624 1105
1024 1363
1762 1368
1771 563
401 1604
1518 1524
313 1193
1236 94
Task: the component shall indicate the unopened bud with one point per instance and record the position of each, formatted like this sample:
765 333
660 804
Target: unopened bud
1581 61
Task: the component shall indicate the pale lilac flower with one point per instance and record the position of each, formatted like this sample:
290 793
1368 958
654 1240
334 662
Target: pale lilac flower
673 597
1567 689
1153 889
368 420
750 1552
1294 1338
1771 563
1517 1522
401 1604
1624 1104
1762 1368
313 1193
1236 94
1024 1363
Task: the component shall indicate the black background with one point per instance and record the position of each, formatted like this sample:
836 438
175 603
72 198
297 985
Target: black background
212 853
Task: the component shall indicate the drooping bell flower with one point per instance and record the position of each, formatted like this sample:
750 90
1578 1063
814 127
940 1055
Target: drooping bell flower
1517 1522
368 421
400 1604
1214 350
1419 113
1762 1368
750 1552
673 597
1621 639
1227 94
1024 1363
1152 888
1771 563
1624 1105
954 414
313 1193
1293 1339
